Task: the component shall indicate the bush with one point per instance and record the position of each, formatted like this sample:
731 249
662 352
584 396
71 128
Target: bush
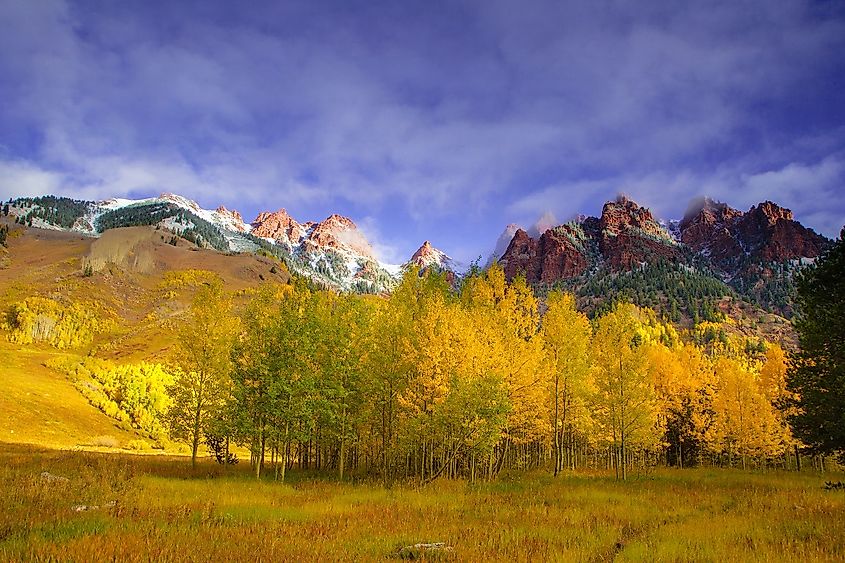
105 442
138 445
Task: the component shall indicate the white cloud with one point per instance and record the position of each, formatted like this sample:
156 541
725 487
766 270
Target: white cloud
386 252
19 178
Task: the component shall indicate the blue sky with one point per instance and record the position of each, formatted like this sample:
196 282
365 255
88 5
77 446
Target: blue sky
428 120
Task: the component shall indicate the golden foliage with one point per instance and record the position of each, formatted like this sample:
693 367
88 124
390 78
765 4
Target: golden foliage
40 319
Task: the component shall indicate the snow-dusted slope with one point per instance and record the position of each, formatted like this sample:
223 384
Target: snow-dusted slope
428 256
332 253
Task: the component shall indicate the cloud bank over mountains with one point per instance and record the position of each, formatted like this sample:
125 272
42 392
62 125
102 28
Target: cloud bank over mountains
452 118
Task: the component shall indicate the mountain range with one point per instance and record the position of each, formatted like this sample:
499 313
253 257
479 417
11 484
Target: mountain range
626 250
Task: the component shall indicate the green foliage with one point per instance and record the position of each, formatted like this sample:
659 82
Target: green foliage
60 211
201 365
817 375
189 226
668 288
40 319
771 286
4 234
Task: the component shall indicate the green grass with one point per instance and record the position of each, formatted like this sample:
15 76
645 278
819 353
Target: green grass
166 512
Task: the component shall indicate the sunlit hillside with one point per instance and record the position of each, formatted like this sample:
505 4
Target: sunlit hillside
118 296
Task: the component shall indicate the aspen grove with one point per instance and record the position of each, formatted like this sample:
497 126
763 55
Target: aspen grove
467 382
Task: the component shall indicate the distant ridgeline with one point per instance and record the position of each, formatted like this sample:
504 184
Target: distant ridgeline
222 230
682 270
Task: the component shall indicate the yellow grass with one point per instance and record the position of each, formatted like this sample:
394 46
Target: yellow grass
164 512
40 406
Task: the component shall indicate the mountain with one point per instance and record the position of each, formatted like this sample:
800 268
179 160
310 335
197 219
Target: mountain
332 253
502 243
427 256
715 249
624 237
733 240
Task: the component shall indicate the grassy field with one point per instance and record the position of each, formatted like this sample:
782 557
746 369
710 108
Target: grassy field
155 508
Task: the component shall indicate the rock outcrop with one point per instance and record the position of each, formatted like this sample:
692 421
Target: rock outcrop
427 256
339 232
231 218
279 226
630 236
558 254
732 239
627 235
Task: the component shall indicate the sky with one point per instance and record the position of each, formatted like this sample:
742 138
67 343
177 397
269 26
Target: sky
429 120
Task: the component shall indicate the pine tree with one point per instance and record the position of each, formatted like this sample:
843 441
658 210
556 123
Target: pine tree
817 375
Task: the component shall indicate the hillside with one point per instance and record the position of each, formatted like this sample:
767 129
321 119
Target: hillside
333 253
137 279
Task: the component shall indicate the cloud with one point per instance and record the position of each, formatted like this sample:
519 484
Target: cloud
473 112
386 252
812 190
24 179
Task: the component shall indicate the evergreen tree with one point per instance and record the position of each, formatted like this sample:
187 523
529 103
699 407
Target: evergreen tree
817 374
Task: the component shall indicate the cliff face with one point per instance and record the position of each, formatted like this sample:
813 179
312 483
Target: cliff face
631 236
732 239
627 235
554 256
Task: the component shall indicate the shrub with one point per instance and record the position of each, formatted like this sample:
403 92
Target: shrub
105 442
138 445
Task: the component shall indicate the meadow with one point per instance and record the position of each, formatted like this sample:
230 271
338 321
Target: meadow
154 507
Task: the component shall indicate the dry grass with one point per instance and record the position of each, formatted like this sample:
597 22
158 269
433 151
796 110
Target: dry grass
41 406
165 512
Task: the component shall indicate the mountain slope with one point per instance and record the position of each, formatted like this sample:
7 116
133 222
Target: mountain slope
332 253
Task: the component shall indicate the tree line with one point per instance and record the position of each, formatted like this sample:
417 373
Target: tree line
466 382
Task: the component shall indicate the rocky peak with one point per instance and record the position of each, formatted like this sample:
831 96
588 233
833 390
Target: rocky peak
708 226
426 256
554 256
733 239
277 225
502 242
769 213
770 233
340 232
623 214
705 211
181 201
232 217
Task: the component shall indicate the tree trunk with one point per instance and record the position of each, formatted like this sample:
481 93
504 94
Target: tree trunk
285 444
195 439
556 429
342 458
